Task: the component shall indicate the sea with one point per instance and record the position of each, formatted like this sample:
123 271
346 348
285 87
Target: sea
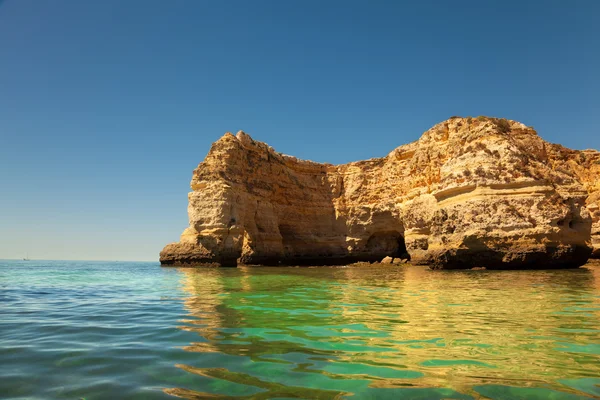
136 330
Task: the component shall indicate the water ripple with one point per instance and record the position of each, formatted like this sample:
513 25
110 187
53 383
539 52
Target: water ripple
135 330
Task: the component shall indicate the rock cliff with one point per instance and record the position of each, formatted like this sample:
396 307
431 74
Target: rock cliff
471 192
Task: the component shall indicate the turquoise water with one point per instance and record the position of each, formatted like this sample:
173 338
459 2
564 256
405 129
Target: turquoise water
101 330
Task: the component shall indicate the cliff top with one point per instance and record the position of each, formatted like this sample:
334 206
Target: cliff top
467 128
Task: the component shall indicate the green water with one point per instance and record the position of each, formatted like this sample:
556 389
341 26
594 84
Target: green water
135 330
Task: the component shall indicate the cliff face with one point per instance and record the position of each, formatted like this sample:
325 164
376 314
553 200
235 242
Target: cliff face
470 192
585 165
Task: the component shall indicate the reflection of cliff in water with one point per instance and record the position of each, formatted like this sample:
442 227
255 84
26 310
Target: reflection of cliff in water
230 306
231 310
281 330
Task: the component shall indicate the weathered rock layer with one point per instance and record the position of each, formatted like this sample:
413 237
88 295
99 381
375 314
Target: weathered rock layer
482 192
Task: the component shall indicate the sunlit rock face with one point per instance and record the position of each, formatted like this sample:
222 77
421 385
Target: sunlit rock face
586 167
471 192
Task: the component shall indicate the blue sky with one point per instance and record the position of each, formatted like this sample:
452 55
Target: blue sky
106 107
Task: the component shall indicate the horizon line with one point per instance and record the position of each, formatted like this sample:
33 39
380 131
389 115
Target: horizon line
55 259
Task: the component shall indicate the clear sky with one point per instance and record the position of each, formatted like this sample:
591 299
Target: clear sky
107 106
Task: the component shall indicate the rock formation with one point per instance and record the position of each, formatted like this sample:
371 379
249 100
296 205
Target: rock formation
471 192
586 167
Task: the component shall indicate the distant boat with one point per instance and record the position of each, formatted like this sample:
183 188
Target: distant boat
26 258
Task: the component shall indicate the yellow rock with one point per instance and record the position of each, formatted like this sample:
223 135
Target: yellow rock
469 193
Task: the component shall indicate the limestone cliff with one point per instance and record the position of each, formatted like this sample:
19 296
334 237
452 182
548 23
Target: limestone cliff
469 193
586 167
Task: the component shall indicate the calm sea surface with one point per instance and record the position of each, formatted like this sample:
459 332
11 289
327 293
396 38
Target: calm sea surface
109 330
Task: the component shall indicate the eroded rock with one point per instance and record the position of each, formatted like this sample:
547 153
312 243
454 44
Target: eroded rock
469 193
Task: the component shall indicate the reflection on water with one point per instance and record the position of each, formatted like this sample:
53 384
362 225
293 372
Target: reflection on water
97 330
393 332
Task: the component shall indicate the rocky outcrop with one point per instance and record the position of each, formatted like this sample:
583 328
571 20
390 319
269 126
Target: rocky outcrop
586 167
481 192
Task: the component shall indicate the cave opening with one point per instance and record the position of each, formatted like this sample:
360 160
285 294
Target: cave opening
384 244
